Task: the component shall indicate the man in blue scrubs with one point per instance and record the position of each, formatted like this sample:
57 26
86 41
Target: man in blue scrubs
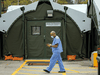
56 50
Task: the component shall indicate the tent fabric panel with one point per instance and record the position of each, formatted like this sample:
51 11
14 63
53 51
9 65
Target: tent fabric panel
74 39
96 10
41 11
13 43
35 43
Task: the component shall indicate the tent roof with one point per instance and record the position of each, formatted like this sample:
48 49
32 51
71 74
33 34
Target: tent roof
79 7
97 8
97 2
14 7
76 14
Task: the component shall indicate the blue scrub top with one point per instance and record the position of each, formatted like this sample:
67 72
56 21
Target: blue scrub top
57 40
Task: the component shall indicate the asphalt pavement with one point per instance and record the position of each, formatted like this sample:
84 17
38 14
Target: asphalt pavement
83 67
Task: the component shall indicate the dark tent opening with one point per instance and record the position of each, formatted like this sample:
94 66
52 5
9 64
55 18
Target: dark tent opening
1 45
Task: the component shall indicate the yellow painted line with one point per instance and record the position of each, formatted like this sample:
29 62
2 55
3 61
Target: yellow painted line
81 68
54 72
31 70
38 67
63 73
78 67
88 72
35 70
18 69
26 73
67 72
72 70
93 67
41 71
37 60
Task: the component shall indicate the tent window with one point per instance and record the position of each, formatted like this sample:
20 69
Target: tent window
36 30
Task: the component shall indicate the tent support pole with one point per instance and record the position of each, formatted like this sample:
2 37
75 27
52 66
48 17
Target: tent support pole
22 9
92 17
89 44
0 8
92 48
65 8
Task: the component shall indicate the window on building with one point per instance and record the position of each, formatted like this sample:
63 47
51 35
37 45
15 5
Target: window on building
36 30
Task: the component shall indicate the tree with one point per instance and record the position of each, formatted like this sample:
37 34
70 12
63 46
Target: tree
24 2
34 0
83 2
7 3
62 2
15 2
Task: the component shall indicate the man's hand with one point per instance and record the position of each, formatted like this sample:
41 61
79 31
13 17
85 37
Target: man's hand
48 45
55 46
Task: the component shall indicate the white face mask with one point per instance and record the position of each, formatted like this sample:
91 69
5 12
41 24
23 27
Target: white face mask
52 36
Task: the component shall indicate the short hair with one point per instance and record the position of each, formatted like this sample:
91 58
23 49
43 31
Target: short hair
53 32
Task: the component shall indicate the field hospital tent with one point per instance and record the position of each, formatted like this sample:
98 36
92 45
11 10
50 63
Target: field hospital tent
26 30
93 12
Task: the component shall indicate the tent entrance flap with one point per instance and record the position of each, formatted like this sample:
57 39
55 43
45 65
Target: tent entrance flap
35 39
38 35
52 26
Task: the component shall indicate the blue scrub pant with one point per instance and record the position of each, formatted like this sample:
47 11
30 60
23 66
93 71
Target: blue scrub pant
56 56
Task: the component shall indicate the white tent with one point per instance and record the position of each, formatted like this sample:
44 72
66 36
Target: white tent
93 12
96 5
14 7
79 7
76 12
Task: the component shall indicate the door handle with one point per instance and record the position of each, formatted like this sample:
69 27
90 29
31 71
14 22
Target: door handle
44 38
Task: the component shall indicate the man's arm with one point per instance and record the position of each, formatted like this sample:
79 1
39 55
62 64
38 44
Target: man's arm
55 46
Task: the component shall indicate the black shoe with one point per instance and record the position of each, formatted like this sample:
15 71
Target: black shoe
61 71
46 71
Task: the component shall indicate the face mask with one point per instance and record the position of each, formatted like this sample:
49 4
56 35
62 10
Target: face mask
52 37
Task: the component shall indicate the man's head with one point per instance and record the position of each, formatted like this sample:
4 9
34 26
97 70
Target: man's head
53 34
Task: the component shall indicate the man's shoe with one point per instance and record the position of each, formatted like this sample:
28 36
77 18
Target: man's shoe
61 71
46 71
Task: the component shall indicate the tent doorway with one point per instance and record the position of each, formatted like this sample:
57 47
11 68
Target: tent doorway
35 39
38 35
52 26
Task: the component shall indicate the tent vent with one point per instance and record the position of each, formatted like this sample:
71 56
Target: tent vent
4 21
83 20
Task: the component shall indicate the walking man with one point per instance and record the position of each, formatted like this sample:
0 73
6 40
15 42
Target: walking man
56 50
